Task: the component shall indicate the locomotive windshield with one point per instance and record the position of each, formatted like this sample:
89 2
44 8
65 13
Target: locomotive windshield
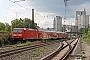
17 30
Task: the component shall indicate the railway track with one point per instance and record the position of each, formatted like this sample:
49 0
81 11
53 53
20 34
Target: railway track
62 52
66 55
25 48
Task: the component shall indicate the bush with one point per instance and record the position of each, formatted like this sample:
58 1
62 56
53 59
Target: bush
4 41
1 41
84 36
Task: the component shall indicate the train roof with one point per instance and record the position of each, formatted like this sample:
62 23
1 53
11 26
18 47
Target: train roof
19 28
55 31
58 32
41 29
25 28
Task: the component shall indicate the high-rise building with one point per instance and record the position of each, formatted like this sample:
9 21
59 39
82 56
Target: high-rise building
82 20
79 21
57 23
83 12
77 14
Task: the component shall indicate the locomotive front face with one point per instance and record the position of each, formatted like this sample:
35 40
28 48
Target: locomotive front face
17 33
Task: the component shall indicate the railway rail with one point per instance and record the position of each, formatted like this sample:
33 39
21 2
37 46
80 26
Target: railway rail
63 52
66 55
25 48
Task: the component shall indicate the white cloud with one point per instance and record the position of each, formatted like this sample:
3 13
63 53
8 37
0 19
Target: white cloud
42 18
69 21
86 6
79 8
20 12
14 13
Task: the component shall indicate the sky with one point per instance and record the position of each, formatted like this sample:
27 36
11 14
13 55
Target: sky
45 10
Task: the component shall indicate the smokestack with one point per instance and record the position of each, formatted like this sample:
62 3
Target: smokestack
32 18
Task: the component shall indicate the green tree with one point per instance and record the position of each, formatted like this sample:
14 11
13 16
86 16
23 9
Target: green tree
17 24
85 32
2 26
35 25
7 27
27 23
89 33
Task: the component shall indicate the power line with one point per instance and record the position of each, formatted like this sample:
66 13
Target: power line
15 11
20 5
65 2
39 6
69 12
23 7
66 8
42 8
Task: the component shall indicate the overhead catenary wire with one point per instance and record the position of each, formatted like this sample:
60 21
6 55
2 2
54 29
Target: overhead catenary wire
43 9
67 9
65 2
20 5
48 15
8 9
70 11
23 7
39 5
28 9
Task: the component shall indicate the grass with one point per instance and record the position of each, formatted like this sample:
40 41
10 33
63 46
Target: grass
48 40
19 44
87 41
38 51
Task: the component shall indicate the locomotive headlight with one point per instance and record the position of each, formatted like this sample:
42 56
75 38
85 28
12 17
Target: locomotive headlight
19 34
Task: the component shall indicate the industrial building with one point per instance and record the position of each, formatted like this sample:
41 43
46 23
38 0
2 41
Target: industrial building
69 28
82 20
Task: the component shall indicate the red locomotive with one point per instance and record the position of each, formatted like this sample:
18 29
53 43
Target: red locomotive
24 34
